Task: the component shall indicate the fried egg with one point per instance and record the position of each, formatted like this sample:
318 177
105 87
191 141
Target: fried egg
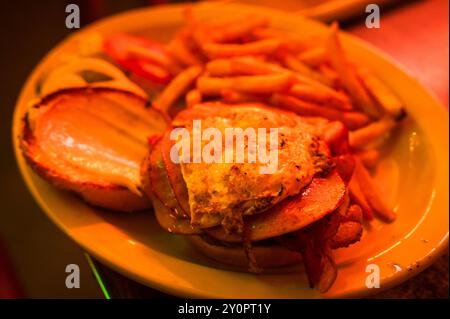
223 192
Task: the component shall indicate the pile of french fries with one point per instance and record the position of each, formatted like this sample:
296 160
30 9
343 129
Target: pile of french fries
247 60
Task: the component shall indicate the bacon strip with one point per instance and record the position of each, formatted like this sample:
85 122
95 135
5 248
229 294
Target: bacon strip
315 242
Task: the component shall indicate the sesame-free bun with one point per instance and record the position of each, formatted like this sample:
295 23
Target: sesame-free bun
65 134
270 256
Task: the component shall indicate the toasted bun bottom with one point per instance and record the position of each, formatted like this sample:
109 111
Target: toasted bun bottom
266 256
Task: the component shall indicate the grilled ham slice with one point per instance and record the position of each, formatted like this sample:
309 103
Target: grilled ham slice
321 197
92 142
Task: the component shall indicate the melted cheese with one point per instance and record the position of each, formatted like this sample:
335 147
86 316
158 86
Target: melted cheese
93 137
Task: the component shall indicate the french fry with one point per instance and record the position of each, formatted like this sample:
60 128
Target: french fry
201 35
329 73
291 62
381 93
253 66
190 17
370 133
193 97
319 86
216 50
220 67
289 41
177 87
143 53
357 197
387 179
320 96
352 120
369 157
348 76
314 57
371 193
242 66
233 96
182 53
235 30
211 86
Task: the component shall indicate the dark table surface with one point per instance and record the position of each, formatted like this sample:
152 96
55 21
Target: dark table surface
431 283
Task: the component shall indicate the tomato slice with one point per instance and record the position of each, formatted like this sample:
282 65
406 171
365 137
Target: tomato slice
141 56
170 222
174 174
160 183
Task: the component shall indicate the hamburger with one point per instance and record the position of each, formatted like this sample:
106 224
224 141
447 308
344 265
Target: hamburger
238 215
